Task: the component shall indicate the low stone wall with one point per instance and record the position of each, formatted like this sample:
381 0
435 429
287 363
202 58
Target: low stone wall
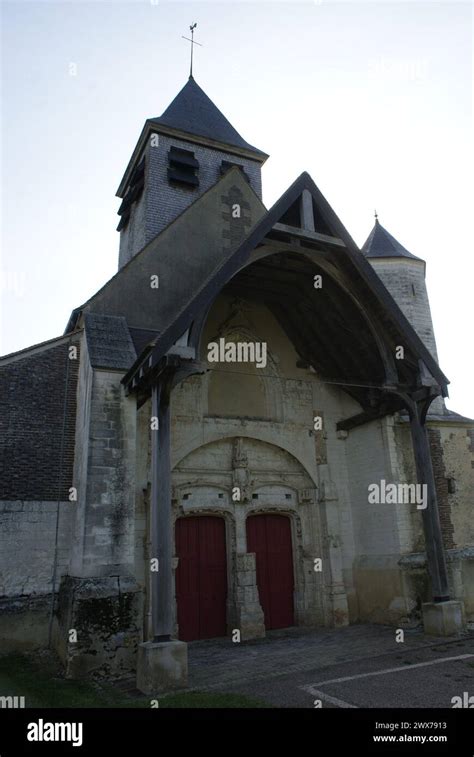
27 549
392 590
460 565
24 623
383 593
27 545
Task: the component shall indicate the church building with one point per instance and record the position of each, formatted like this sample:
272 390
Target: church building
244 429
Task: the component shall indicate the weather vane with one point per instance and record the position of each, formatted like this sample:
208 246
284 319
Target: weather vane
376 215
191 29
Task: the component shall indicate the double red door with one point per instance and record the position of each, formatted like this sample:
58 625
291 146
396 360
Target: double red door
269 536
201 577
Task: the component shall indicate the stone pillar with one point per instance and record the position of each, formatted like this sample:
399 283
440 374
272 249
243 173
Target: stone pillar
248 618
335 586
162 662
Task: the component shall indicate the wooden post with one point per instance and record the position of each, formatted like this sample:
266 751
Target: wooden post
306 211
161 530
431 524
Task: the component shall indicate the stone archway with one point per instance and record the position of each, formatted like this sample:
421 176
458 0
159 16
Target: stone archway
269 480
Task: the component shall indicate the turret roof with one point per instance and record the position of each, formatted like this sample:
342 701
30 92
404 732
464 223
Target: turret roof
381 244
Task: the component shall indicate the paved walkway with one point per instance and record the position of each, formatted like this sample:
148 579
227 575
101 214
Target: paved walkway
357 666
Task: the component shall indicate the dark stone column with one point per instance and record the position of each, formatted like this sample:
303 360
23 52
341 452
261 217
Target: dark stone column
162 662
435 555
161 529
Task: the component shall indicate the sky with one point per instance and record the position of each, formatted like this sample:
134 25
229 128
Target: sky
373 99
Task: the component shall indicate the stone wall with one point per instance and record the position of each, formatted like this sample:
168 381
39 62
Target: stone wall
453 458
100 600
27 545
383 531
38 389
27 556
106 479
376 527
455 444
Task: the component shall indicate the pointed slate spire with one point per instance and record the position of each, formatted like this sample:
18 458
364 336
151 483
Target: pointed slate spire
192 111
381 244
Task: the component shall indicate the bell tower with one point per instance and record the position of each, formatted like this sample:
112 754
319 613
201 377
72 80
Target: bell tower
178 157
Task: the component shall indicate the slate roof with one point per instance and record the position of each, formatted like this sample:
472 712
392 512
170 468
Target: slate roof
109 342
194 112
381 244
142 337
447 417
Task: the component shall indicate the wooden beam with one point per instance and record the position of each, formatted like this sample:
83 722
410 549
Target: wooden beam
361 418
295 247
356 420
306 211
310 236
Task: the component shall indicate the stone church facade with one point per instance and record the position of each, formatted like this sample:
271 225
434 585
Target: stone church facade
150 496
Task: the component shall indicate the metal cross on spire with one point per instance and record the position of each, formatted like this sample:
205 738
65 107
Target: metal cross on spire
191 29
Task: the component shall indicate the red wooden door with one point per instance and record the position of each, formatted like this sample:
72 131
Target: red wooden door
270 537
201 577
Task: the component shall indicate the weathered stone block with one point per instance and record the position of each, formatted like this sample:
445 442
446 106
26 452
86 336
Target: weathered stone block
245 561
246 578
246 594
106 613
443 618
162 666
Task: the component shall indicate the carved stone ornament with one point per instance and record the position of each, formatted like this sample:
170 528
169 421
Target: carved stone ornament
240 470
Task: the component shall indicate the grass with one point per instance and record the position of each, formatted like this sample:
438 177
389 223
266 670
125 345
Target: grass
39 681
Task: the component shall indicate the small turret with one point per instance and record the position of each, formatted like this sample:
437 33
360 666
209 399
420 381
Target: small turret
404 276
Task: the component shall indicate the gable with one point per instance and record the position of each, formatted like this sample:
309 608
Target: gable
183 257
356 296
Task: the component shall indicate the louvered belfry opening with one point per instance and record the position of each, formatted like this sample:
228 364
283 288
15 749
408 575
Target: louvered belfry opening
183 167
